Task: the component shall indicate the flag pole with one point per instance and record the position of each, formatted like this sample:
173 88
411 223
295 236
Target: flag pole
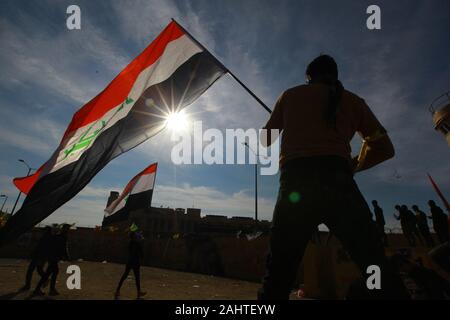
439 193
225 68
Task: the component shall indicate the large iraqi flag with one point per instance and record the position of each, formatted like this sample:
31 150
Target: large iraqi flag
168 75
136 195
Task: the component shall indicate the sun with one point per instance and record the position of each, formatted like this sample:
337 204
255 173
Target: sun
177 121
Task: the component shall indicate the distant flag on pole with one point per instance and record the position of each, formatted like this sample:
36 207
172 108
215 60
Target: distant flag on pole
136 195
436 188
171 73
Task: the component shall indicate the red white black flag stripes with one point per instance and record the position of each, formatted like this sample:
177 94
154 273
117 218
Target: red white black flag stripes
136 195
167 76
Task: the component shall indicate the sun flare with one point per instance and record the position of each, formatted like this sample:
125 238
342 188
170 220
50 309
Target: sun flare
177 121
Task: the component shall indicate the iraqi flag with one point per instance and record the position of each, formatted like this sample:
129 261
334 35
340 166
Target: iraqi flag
171 73
136 195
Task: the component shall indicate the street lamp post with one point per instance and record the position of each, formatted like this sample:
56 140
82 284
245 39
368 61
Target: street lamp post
256 180
18 197
256 191
4 201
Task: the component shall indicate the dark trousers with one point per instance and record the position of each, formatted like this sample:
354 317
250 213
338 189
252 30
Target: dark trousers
382 234
408 233
416 233
425 232
52 273
314 191
35 264
137 275
442 233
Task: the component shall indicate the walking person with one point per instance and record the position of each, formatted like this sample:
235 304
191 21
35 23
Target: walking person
58 250
422 224
413 227
135 255
38 258
440 221
318 121
379 220
402 216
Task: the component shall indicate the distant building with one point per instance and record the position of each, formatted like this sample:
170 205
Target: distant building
113 195
158 222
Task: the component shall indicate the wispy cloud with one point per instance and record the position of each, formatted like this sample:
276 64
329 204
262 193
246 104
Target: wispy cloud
86 209
29 59
49 72
32 132
212 201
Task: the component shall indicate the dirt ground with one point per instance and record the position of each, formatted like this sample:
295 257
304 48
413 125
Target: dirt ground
99 280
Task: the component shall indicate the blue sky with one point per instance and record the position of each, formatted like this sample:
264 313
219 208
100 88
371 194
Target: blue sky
48 72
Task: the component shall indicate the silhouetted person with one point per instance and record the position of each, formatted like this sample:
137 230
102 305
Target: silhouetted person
422 224
38 258
440 221
135 255
412 221
318 121
402 216
379 219
57 251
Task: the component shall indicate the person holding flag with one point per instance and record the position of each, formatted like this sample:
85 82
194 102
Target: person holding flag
170 74
318 121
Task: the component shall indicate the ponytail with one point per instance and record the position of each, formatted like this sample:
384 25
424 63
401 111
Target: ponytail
323 69
335 90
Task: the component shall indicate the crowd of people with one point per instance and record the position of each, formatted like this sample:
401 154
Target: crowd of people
53 248
50 250
414 224
318 120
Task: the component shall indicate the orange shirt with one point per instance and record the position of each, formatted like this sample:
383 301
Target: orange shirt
300 114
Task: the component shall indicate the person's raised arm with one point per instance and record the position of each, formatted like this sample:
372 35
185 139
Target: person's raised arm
377 146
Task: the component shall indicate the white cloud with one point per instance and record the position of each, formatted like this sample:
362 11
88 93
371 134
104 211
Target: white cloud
7 186
48 61
141 20
24 141
212 201
84 212
58 62
86 209
34 133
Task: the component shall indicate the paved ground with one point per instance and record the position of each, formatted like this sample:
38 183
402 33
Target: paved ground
99 280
